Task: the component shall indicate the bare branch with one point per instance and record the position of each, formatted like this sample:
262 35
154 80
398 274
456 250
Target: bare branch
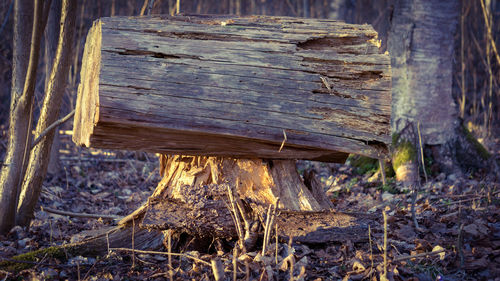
52 127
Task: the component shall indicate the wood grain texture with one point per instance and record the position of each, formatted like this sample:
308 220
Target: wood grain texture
235 86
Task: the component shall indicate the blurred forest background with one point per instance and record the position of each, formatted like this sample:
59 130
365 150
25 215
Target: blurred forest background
476 74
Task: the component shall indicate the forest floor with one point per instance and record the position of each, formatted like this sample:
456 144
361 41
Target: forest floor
459 219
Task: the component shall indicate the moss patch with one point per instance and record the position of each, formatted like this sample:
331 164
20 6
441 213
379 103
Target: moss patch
483 153
395 139
35 256
366 165
404 152
363 164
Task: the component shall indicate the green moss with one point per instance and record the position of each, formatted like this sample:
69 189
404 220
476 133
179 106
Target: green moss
365 165
395 139
404 152
35 256
351 184
389 187
485 155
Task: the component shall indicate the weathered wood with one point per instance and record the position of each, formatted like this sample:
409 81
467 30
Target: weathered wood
234 86
213 219
193 198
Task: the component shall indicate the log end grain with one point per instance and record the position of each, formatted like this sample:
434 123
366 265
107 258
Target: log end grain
87 104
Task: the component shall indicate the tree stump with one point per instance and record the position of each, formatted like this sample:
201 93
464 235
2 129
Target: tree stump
256 180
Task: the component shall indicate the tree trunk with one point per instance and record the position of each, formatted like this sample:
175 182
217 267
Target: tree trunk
37 168
421 44
21 106
421 47
51 35
11 173
424 113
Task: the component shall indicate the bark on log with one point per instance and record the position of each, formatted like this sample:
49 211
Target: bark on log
234 86
213 219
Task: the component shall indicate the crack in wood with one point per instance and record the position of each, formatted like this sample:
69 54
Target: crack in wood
160 55
138 88
211 36
327 42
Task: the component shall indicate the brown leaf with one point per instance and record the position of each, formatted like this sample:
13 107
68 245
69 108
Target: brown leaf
405 232
476 264
471 229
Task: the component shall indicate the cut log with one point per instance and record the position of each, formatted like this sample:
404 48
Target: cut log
245 87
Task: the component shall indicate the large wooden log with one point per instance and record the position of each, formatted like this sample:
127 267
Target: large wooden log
234 86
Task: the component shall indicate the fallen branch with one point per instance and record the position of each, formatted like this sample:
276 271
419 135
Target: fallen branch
161 253
466 200
80 215
418 255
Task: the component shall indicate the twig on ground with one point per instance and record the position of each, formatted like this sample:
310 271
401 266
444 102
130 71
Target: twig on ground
370 240
276 252
421 151
266 227
79 215
235 264
384 276
247 271
467 200
291 260
133 240
459 246
271 214
418 255
413 202
169 251
235 213
218 269
161 253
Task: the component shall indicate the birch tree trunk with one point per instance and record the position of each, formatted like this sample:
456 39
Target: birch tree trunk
421 48
37 168
421 43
